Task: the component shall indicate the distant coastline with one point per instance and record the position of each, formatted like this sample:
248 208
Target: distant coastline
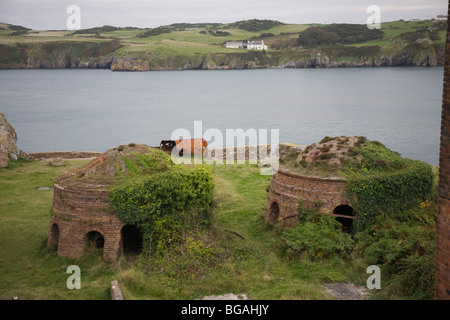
203 46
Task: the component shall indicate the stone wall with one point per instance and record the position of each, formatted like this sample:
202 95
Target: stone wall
62 155
76 213
442 276
250 152
287 189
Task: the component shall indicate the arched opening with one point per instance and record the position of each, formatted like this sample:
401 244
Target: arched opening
95 239
274 212
131 240
345 215
54 235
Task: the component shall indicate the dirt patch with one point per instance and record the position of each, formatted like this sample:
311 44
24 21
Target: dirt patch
324 159
347 291
228 296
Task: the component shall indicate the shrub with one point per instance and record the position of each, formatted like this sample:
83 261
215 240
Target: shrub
255 24
338 33
317 236
154 32
389 193
164 205
404 249
97 30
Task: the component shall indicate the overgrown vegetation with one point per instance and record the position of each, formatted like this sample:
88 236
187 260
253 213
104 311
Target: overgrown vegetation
137 164
174 46
317 236
96 30
395 200
255 24
166 205
216 33
338 33
385 182
238 253
154 32
404 248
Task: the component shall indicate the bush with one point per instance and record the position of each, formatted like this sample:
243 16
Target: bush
97 30
404 249
255 24
164 205
317 236
384 182
389 193
338 33
154 32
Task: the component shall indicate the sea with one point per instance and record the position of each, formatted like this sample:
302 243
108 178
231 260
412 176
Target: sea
95 110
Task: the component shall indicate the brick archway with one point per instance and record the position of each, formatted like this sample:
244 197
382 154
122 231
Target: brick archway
345 215
274 212
95 239
54 235
131 240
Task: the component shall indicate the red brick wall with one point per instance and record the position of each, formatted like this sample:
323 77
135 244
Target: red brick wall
77 212
443 220
287 189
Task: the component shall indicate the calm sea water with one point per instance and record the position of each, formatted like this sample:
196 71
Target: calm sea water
55 110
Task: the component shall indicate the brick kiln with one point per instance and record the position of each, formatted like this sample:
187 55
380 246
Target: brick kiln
295 182
288 189
80 214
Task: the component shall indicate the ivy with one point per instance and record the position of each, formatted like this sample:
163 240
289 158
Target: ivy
146 163
164 204
386 183
317 236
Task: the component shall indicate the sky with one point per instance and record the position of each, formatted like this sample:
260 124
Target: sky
52 15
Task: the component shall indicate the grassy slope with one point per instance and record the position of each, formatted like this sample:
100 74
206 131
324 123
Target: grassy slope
190 42
29 270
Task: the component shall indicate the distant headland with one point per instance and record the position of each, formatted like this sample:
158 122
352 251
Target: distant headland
249 44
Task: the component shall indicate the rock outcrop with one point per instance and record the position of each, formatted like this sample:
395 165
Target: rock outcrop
8 139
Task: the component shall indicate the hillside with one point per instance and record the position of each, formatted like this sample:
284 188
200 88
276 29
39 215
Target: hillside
201 46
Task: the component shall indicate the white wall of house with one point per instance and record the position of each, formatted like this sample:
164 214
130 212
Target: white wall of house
256 45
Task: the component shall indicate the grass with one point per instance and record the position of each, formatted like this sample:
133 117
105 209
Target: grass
189 42
252 265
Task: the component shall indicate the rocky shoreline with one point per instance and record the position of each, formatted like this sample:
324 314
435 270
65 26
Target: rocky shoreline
317 58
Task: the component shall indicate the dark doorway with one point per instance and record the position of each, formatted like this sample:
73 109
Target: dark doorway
131 238
95 239
346 215
54 235
274 212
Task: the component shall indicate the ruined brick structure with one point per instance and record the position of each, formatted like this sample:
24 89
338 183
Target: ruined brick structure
328 195
80 215
442 275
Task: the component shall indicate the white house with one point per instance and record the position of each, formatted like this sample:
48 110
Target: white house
441 18
234 44
256 45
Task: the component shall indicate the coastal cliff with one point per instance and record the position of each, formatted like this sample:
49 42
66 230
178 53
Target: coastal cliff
202 47
93 56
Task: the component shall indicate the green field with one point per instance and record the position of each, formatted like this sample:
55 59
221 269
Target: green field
241 254
193 41
251 266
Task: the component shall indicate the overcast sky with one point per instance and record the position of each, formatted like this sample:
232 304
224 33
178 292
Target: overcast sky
51 14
